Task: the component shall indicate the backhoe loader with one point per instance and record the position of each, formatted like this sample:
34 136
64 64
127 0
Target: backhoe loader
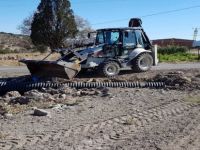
114 50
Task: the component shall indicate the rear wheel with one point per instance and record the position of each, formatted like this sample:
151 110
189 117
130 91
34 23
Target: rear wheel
110 69
143 62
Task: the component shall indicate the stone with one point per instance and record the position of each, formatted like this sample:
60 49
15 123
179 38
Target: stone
162 91
78 93
63 96
3 110
89 92
177 72
71 102
60 107
56 96
50 91
8 115
57 107
104 92
20 100
35 94
40 112
187 79
65 90
92 80
48 97
12 94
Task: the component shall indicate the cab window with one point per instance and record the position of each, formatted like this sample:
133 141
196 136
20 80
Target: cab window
139 37
111 37
100 38
129 39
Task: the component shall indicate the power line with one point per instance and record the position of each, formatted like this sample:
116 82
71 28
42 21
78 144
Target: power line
97 1
150 15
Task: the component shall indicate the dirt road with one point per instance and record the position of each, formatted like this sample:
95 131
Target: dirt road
161 66
169 66
127 119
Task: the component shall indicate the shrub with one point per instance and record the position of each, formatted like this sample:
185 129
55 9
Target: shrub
171 49
177 57
41 48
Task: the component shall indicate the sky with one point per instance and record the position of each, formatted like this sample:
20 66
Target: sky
116 13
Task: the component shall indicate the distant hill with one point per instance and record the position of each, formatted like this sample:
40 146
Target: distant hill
15 43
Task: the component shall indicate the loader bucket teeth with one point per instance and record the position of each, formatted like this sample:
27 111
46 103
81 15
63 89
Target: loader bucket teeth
60 69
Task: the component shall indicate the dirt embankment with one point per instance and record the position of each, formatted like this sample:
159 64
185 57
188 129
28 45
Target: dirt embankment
16 43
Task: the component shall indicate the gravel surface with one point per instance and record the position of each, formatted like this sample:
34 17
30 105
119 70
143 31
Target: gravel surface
127 119
123 118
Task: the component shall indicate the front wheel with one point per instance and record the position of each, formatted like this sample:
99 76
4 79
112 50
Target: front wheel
143 62
110 69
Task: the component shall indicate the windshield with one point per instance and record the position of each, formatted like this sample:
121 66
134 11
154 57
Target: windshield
109 37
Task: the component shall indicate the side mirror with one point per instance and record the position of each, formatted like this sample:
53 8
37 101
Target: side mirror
89 35
126 34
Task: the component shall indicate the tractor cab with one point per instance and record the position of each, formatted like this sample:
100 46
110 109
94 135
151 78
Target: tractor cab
119 42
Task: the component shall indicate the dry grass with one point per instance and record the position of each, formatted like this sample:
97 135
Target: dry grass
15 109
35 56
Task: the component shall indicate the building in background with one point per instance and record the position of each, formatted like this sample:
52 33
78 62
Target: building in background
173 41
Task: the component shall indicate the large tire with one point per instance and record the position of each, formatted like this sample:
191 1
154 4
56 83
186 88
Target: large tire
109 69
143 62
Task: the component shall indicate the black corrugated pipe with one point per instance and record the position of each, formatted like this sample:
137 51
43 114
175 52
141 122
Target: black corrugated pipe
23 87
3 84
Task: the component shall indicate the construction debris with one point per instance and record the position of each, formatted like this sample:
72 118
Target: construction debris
40 112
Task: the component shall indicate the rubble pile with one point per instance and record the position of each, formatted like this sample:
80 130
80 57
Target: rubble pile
47 98
178 79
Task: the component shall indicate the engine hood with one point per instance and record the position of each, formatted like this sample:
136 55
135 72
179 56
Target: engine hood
92 50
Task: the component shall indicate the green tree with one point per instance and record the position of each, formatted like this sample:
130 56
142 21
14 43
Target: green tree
52 23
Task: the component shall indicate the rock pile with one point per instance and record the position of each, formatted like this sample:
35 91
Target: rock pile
61 97
173 78
178 79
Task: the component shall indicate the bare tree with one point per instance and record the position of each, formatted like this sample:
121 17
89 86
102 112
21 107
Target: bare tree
25 27
83 26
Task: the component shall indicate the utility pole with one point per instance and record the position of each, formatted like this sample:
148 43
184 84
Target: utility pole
195 34
195 39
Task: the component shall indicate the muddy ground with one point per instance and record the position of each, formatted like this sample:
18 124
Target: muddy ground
106 118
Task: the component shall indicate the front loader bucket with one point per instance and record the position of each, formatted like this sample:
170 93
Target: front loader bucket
59 69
